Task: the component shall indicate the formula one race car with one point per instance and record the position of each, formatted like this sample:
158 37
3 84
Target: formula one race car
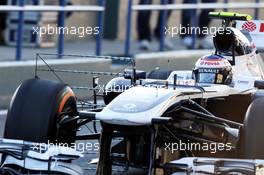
213 114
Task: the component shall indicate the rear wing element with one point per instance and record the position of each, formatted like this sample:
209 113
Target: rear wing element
230 16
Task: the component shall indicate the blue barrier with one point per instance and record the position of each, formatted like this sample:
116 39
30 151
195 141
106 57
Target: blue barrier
257 11
165 8
226 2
20 29
194 22
61 23
128 27
164 14
100 23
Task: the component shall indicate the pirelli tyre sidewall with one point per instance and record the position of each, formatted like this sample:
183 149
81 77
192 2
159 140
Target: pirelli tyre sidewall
35 109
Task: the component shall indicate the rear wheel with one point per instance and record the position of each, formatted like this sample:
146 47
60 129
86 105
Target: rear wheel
36 110
251 135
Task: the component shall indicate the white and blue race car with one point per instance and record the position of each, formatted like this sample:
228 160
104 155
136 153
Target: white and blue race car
208 120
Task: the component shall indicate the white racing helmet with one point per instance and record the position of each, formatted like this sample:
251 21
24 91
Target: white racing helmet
213 69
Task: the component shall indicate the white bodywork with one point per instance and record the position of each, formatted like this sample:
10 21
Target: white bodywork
256 31
140 104
210 165
39 157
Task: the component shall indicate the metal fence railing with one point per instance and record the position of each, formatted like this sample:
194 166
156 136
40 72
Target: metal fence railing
61 9
164 6
100 8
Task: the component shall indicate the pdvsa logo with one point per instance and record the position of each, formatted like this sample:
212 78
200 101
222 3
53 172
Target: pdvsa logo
210 63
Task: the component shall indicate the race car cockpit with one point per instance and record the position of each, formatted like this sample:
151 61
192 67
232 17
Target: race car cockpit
213 69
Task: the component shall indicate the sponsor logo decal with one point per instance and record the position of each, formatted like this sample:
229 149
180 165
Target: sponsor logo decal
249 26
242 82
129 106
261 27
208 71
210 63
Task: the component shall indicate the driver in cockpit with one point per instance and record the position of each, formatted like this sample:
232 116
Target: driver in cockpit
213 69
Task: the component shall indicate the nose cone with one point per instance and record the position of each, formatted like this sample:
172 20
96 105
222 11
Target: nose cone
137 106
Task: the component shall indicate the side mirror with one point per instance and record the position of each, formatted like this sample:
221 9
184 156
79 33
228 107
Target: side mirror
128 74
259 84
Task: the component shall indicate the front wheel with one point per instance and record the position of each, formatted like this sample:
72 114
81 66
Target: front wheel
36 109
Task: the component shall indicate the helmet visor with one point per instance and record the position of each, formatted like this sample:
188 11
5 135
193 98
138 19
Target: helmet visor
206 77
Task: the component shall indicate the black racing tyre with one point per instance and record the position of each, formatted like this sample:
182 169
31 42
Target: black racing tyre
161 74
35 111
258 94
251 140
